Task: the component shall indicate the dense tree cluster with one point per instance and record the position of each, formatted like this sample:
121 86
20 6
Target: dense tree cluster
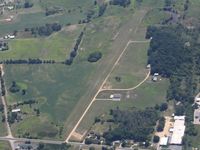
46 30
136 125
3 89
123 3
94 57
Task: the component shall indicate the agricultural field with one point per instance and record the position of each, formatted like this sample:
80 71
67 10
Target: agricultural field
5 146
55 47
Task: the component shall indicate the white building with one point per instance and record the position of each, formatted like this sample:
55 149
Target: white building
164 141
16 110
178 130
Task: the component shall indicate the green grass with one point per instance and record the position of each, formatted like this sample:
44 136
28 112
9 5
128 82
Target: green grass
193 10
155 16
33 17
131 68
4 146
55 47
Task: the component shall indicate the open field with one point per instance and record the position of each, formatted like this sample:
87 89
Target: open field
61 103
131 68
32 17
56 47
55 98
4 146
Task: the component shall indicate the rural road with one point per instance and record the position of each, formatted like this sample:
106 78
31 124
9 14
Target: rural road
45 141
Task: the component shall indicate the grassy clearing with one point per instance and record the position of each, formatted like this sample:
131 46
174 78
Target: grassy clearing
155 16
131 68
55 47
4 146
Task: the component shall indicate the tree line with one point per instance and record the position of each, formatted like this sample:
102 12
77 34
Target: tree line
74 51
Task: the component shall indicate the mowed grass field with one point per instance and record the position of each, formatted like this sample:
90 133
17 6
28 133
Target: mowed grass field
55 47
131 68
4 146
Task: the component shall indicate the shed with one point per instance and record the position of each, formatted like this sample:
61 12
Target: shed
164 141
16 110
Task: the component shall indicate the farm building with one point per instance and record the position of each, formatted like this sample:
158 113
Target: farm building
115 97
178 130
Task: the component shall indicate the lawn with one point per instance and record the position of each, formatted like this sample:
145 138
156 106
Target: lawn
5 145
56 47
131 68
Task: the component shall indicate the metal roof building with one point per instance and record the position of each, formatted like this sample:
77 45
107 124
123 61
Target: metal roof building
179 130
